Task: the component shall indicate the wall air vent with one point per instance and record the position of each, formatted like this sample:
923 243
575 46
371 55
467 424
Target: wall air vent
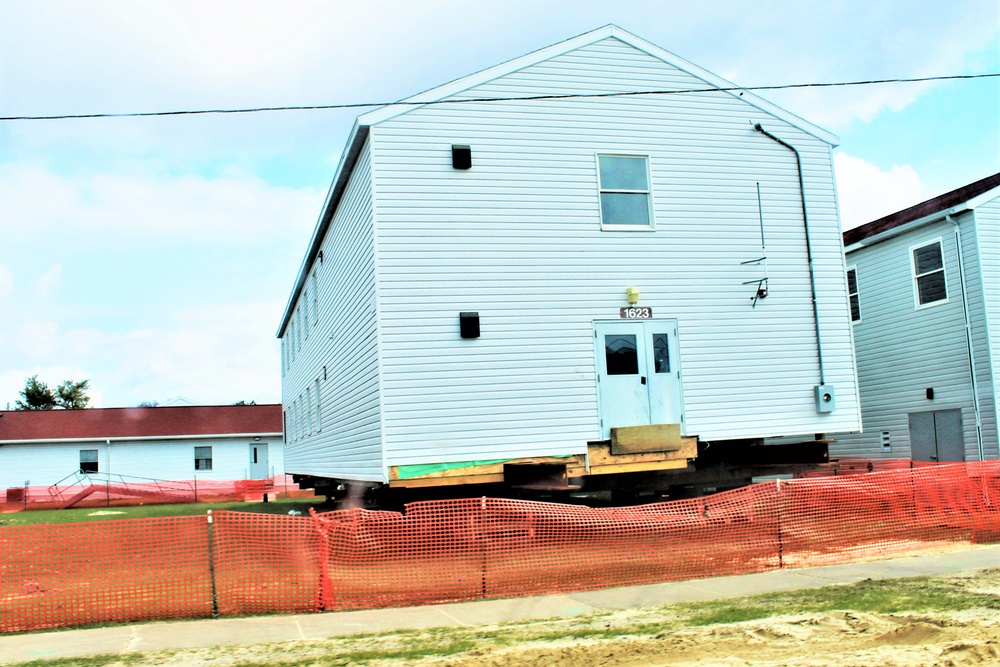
461 157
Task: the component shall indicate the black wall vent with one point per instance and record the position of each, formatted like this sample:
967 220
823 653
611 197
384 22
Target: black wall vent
468 324
461 157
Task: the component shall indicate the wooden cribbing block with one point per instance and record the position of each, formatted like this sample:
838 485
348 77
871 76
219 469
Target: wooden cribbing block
644 439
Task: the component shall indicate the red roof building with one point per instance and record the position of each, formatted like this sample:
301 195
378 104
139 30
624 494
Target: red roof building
210 443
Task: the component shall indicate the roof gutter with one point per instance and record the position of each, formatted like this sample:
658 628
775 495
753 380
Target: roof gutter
902 229
968 337
139 438
809 255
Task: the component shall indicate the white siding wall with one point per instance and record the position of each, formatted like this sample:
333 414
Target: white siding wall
987 218
903 350
46 464
517 238
342 337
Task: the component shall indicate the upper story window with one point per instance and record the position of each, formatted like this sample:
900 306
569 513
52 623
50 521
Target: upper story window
626 200
928 273
852 293
305 315
315 294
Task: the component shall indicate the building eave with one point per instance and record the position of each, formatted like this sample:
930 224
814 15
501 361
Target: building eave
355 142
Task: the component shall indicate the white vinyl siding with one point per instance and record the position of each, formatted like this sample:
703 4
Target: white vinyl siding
345 438
518 238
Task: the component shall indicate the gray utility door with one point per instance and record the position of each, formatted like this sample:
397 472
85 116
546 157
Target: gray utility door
638 373
258 461
937 436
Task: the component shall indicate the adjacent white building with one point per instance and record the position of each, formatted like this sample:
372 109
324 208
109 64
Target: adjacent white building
209 443
925 298
514 263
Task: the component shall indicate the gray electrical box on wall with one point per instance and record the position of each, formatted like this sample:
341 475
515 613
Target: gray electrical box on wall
826 398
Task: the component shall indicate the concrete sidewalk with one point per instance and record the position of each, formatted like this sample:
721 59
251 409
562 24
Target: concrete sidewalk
262 629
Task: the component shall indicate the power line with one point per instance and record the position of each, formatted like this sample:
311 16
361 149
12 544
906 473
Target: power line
361 105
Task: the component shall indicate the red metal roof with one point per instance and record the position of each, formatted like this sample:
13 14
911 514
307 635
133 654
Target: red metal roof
102 423
922 210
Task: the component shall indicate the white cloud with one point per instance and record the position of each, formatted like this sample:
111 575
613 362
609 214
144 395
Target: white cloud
215 353
867 193
6 281
236 207
47 284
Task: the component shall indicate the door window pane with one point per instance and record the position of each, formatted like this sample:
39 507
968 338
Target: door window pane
661 354
621 354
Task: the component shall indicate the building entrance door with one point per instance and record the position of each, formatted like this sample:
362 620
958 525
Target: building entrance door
638 374
258 461
937 436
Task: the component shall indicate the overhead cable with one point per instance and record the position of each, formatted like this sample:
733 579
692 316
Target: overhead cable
527 98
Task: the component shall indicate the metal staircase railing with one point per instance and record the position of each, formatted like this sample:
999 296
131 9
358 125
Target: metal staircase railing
78 485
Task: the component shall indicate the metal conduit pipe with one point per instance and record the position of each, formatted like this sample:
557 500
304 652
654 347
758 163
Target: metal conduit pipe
809 255
968 337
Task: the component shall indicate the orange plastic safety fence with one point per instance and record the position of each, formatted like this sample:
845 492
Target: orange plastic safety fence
826 520
452 550
265 563
107 571
432 553
534 548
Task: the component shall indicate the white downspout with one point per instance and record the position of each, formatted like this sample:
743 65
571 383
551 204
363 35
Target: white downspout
968 338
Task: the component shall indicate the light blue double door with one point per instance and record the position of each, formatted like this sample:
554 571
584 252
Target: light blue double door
638 373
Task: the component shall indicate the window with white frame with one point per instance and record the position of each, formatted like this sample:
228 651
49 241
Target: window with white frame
298 328
626 198
305 315
88 460
928 273
302 417
852 293
319 409
315 287
309 411
202 458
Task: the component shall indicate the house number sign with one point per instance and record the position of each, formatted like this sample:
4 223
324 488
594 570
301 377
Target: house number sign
634 313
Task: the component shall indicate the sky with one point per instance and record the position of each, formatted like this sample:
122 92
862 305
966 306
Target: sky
154 256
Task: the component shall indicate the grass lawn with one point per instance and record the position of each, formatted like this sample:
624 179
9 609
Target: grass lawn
37 517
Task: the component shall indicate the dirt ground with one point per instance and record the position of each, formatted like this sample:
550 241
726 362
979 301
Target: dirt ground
815 640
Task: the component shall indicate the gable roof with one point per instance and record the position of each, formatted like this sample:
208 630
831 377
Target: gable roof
941 204
359 133
483 76
159 422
